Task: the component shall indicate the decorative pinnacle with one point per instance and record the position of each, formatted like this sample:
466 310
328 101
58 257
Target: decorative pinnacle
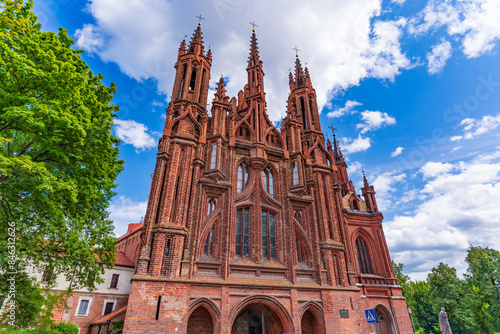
296 51
253 25
199 19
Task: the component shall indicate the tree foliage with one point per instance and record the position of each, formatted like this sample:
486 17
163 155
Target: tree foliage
472 302
58 158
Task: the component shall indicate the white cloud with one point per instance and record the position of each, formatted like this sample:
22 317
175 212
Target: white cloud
475 127
438 57
397 151
136 134
456 149
355 145
158 104
474 22
353 167
347 109
342 41
460 211
123 211
433 169
88 38
384 186
374 120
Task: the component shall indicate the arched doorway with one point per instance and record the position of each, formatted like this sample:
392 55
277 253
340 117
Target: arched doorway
200 322
310 324
384 321
257 319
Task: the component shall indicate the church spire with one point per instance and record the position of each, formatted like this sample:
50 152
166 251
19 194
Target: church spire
299 73
196 44
220 94
336 149
254 67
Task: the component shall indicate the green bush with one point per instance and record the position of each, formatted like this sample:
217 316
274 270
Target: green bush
66 328
30 331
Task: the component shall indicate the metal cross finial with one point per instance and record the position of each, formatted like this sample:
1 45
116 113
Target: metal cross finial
333 129
200 18
253 25
296 51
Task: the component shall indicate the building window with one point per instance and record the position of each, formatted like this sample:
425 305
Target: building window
268 236
213 158
242 232
114 281
83 306
211 206
300 256
363 258
267 175
109 306
243 174
46 276
295 173
193 80
209 242
355 205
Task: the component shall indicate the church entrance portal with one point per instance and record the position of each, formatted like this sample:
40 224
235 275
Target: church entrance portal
384 321
257 319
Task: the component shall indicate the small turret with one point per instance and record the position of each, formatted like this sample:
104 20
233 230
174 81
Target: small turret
368 193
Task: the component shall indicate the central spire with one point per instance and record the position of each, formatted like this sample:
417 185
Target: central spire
253 59
254 68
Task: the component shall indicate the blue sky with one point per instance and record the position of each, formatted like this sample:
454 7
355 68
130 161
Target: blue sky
413 88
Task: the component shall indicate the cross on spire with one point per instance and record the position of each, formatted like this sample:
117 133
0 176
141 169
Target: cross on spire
199 19
333 129
296 51
253 25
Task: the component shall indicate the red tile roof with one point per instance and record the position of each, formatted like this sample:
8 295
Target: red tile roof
123 260
133 227
105 318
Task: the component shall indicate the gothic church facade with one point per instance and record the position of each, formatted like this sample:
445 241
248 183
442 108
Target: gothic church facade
254 229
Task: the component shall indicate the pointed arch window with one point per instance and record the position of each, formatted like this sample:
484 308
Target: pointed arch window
268 236
267 176
209 243
213 156
295 173
363 256
355 205
193 80
242 233
303 108
211 206
243 175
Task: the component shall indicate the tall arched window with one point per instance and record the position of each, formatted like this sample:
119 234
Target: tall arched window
242 233
243 174
295 172
209 242
268 236
193 80
267 176
303 108
211 206
213 157
363 258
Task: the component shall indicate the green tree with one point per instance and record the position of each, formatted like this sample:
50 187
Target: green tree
423 313
450 292
483 282
58 158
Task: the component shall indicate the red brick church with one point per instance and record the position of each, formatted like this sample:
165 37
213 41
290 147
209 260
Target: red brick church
254 229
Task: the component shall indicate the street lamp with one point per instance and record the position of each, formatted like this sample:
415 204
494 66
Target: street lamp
411 317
